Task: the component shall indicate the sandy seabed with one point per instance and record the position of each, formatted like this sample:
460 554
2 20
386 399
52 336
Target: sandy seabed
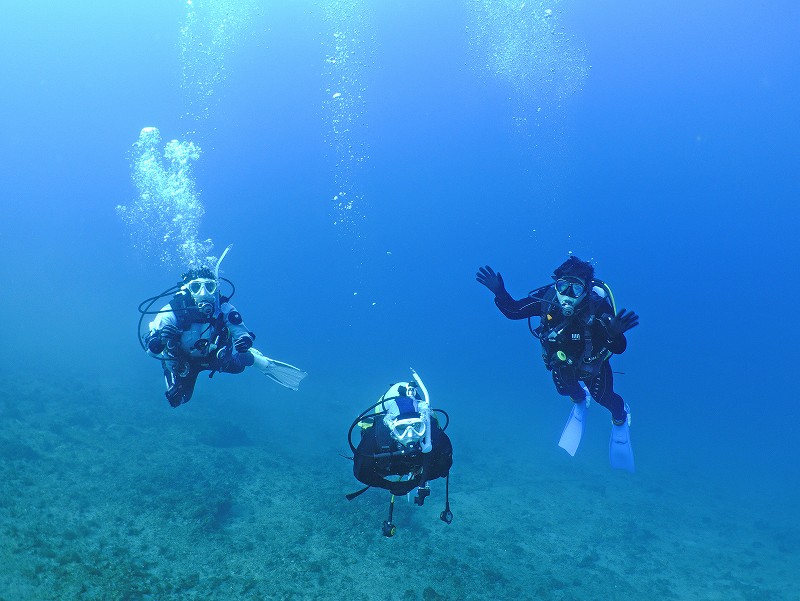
110 495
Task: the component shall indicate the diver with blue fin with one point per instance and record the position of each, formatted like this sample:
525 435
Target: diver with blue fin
200 330
403 447
579 330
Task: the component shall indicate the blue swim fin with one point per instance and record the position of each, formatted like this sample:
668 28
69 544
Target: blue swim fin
573 430
620 452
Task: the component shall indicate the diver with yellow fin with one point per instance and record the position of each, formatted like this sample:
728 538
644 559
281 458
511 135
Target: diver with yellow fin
579 330
402 447
200 330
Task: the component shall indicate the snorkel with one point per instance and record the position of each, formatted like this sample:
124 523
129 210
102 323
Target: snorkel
222 256
426 445
207 301
421 386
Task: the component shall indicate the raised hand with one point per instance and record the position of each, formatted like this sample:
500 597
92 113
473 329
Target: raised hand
622 322
493 281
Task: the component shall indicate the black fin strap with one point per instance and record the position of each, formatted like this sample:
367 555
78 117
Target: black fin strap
353 495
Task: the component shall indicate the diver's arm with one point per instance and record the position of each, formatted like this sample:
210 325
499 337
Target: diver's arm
513 309
614 327
391 409
162 329
615 343
618 344
235 324
517 309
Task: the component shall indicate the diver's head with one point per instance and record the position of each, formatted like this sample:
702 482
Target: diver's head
203 286
407 429
573 282
410 390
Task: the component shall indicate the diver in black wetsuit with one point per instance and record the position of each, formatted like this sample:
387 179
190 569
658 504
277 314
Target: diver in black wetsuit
402 447
579 330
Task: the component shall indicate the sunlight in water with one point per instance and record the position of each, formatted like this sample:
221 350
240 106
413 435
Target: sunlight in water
211 30
521 44
348 45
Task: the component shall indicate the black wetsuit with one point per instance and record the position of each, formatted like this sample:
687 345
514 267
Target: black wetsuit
584 339
379 456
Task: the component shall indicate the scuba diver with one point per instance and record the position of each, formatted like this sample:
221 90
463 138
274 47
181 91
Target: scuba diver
200 330
403 447
579 330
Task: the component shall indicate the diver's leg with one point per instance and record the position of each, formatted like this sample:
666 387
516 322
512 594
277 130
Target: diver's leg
180 386
620 451
601 387
567 384
231 362
173 392
566 381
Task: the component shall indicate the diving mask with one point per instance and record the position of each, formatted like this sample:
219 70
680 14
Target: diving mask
569 286
570 291
407 430
202 291
197 286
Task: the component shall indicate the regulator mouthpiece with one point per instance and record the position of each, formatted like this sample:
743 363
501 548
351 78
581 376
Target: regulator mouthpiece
206 308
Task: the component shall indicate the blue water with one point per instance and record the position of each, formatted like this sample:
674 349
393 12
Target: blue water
658 140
